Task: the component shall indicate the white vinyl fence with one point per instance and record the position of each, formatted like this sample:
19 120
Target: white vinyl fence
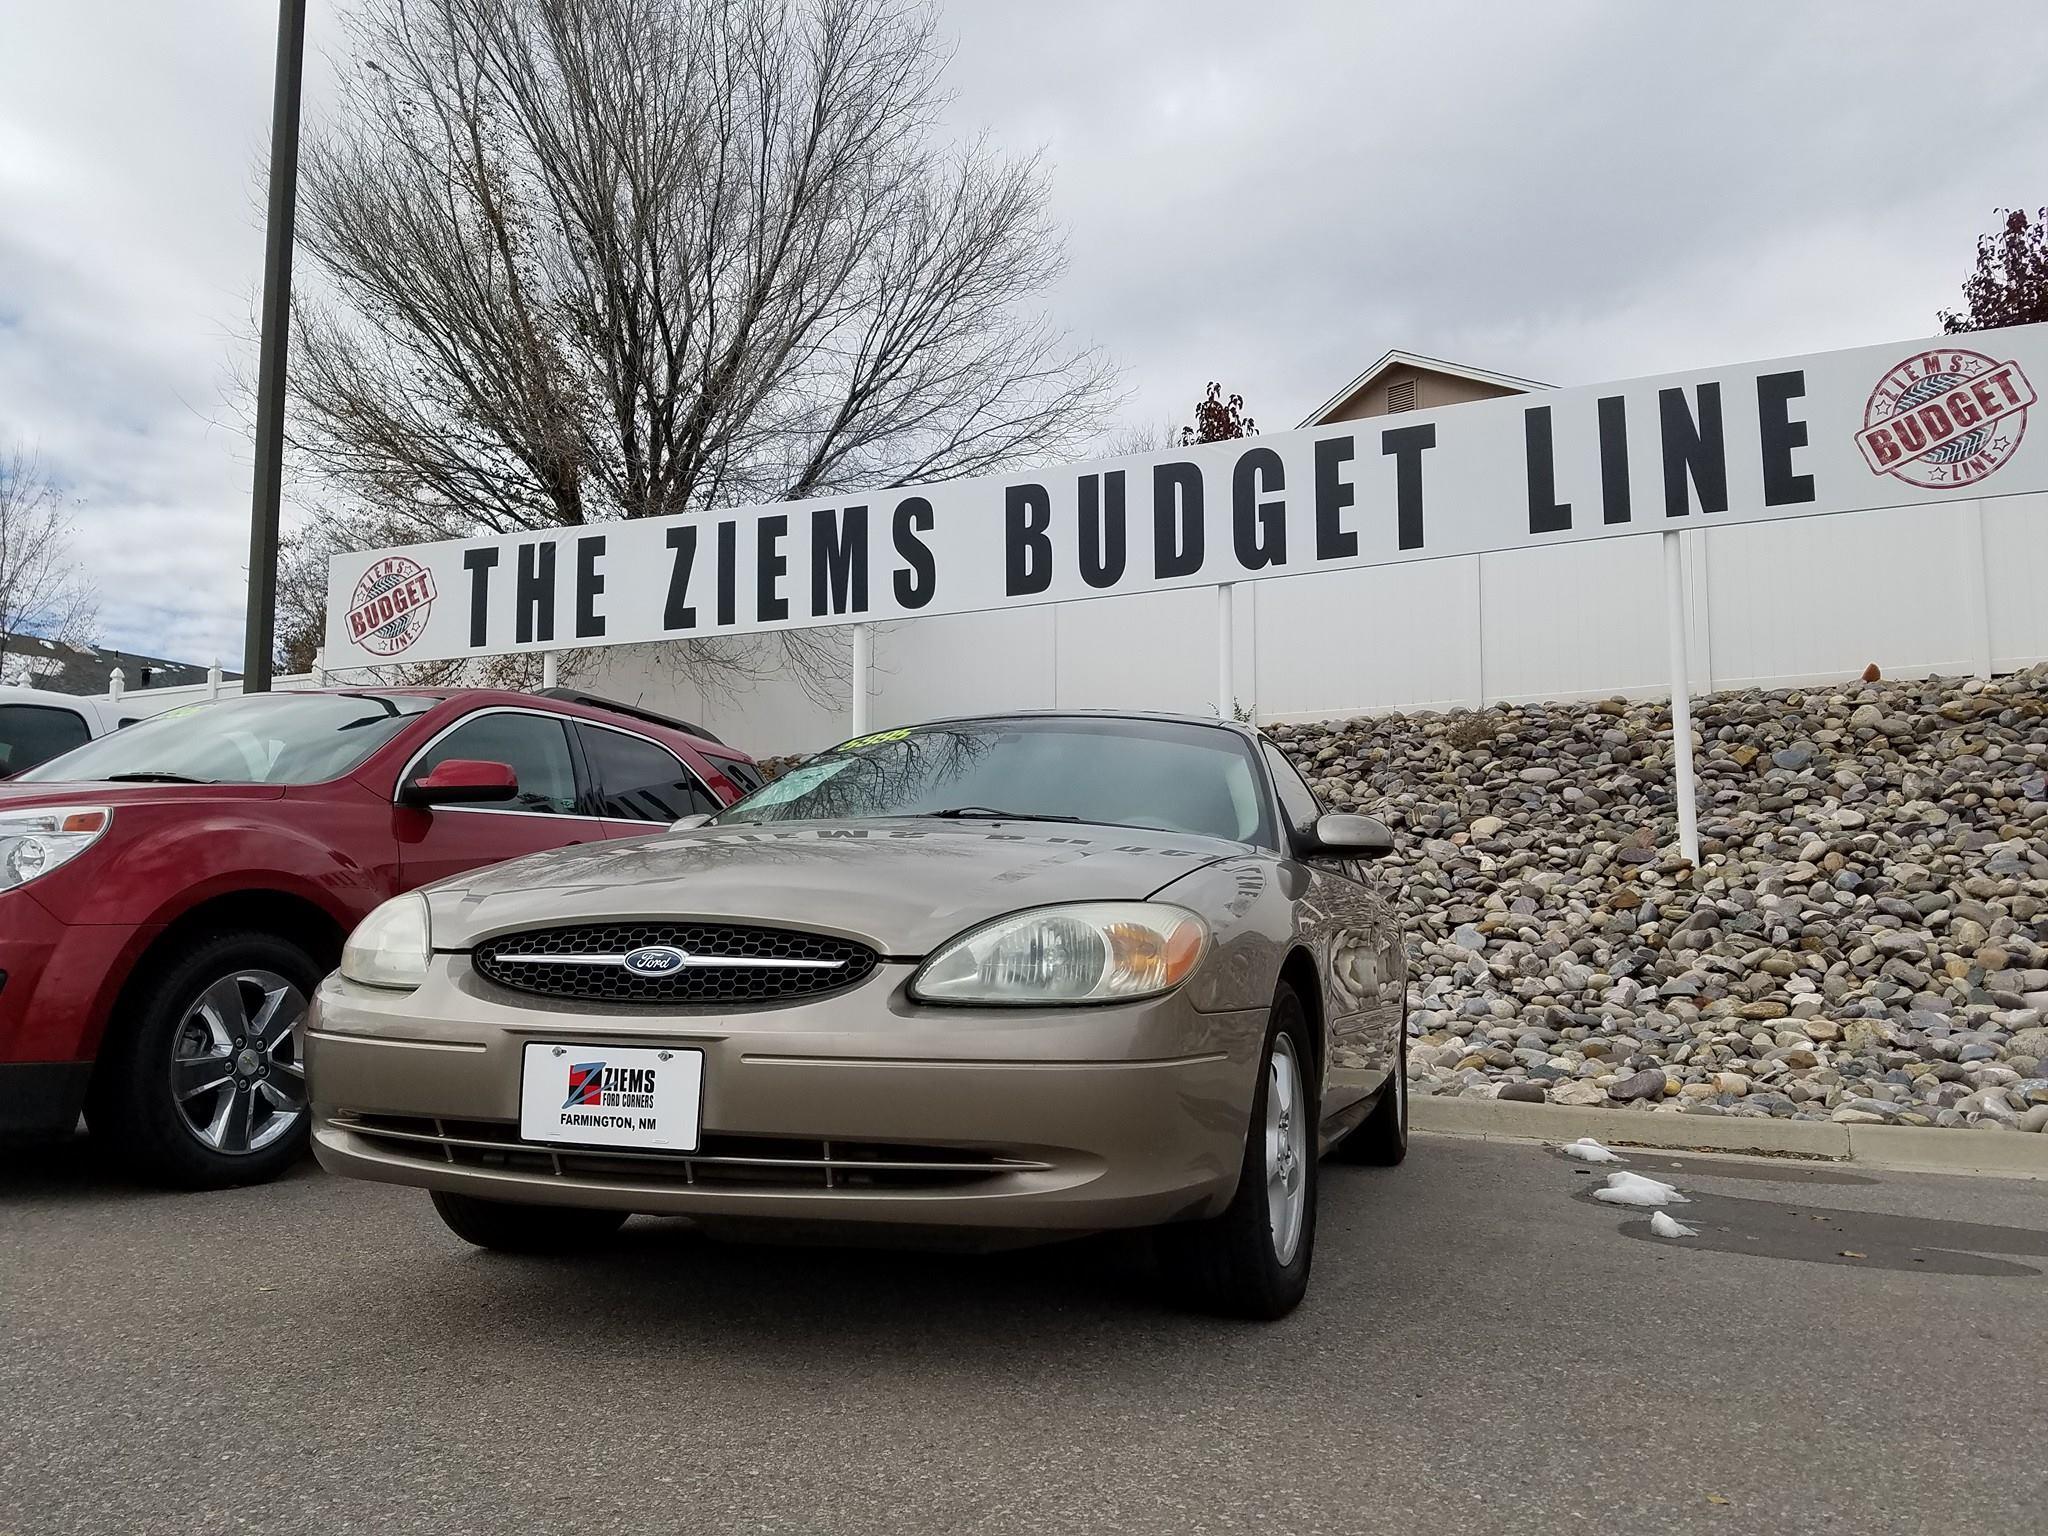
1953 589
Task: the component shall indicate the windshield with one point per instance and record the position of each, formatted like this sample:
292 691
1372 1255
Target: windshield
261 738
1133 773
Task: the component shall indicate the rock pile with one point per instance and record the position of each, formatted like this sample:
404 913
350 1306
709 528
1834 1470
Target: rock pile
1866 939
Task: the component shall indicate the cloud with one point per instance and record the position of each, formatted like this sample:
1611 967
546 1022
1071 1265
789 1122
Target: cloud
1270 196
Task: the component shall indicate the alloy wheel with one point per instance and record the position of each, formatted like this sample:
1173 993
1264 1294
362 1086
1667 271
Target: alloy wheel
1286 1150
236 1073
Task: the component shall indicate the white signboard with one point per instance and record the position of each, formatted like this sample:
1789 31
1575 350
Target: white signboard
1834 432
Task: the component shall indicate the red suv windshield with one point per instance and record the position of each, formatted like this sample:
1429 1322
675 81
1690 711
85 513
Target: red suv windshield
262 738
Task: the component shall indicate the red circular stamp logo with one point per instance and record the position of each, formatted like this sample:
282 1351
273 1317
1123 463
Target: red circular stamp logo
389 609
1945 418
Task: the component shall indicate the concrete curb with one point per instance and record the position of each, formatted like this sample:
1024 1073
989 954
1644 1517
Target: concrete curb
1907 1149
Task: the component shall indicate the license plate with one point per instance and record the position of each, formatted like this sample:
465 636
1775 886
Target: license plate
611 1096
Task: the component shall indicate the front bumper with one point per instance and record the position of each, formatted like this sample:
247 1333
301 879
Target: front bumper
57 981
861 1108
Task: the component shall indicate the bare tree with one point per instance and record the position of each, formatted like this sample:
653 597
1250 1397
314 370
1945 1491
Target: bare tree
593 259
42 590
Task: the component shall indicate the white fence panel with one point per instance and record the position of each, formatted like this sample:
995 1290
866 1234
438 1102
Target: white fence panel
2016 577
1387 637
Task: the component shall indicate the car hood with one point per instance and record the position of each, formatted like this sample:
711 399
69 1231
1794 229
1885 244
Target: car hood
27 797
902 886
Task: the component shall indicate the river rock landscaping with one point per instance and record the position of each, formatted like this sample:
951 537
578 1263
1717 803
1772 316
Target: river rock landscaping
1865 940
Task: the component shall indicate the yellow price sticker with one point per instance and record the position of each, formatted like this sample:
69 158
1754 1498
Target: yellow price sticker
876 740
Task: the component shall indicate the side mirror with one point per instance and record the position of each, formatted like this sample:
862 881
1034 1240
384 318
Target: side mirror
691 822
461 781
1351 837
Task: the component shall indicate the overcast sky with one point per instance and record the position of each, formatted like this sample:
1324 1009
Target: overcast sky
1268 195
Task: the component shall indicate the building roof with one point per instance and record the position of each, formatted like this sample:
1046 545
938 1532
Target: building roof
57 665
1400 359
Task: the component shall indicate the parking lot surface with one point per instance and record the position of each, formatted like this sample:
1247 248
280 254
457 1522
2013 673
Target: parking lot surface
1483 1349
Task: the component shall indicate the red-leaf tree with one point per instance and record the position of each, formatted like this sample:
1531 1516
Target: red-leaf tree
2010 285
1218 419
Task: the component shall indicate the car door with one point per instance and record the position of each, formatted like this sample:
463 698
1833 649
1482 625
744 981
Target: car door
637 784
1350 930
551 809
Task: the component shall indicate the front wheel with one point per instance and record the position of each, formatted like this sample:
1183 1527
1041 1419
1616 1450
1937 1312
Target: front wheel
202 1087
506 1227
1253 1260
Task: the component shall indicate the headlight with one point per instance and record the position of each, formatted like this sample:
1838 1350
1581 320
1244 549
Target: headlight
1090 952
391 946
35 842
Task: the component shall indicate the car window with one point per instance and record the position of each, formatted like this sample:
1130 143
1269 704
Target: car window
1112 771
745 775
640 781
1297 800
534 747
35 733
258 738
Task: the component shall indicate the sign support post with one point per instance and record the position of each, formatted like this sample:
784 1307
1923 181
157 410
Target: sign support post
1226 649
1681 700
550 669
863 656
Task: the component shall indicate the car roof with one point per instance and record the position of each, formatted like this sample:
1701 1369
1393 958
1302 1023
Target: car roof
1163 716
582 708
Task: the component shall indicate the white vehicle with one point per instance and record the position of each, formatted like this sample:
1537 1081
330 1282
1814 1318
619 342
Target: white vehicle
36 725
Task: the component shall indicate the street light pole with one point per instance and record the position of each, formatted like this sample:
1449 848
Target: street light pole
277 313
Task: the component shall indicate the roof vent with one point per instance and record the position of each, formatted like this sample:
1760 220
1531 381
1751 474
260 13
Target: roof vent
1401 396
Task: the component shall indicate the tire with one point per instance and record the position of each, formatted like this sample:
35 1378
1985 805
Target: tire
506 1227
1243 1263
200 1086
1380 1140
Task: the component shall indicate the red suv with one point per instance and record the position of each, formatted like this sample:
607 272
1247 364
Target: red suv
171 894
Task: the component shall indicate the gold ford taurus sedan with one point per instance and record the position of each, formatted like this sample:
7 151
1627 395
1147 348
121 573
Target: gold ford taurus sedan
993 979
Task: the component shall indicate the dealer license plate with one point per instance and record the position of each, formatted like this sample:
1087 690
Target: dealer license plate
611 1096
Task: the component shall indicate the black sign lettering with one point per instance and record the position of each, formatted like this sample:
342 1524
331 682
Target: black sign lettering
1176 519
1102 528
1614 494
677 612
770 563
919 579
589 586
1546 513
479 562
533 594
1333 494
728 572
1027 549
839 560
1258 528
1407 445
1693 448
1775 393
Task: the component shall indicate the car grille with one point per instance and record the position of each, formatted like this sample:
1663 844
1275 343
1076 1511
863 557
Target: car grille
728 963
723 1162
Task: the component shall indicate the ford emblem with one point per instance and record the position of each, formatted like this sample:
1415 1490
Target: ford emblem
656 960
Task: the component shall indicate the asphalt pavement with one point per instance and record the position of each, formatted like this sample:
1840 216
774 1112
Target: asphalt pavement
1483 1349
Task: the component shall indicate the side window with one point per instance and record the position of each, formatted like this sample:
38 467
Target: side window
534 747
638 781
32 734
745 775
1297 800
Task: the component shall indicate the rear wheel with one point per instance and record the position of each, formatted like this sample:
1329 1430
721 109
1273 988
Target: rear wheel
1253 1260
202 1087
507 1227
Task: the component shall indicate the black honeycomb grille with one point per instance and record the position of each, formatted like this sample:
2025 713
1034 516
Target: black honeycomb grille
522 962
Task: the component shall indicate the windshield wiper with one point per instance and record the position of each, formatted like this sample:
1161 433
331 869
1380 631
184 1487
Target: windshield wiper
987 813
154 776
